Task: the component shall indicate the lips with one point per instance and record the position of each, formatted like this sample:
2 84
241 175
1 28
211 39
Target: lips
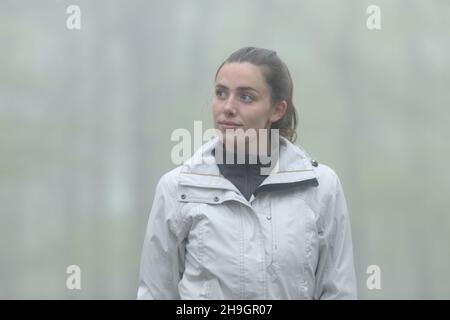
229 125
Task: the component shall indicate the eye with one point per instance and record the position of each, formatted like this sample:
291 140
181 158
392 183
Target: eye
246 98
220 94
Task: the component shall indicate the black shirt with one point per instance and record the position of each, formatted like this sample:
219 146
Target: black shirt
246 177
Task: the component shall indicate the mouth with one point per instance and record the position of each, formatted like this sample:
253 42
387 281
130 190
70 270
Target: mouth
229 125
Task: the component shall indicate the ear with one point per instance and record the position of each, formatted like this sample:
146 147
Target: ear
278 111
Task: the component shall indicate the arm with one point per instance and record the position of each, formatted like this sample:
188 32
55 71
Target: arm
162 260
335 273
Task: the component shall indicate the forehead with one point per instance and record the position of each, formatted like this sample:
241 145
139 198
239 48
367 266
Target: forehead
233 75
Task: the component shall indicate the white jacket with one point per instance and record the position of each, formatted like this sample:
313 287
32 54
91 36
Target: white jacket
204 240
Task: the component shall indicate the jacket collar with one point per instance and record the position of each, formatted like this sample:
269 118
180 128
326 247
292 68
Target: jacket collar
201 169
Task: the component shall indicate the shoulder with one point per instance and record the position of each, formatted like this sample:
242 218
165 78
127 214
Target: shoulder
168 182
325 175
329 184
330 192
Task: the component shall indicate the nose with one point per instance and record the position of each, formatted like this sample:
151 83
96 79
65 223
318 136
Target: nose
229 106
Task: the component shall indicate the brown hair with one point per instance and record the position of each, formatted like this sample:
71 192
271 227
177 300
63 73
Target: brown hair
279 80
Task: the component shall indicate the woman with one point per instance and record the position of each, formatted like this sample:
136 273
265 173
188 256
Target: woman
220 230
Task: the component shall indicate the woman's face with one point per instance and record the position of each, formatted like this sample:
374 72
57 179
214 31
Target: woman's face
243 99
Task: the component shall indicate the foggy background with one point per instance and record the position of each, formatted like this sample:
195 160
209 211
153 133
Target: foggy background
86 117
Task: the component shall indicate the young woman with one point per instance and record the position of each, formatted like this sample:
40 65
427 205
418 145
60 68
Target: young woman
220 230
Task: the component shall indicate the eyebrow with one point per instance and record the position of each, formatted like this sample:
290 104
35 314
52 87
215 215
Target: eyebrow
238 88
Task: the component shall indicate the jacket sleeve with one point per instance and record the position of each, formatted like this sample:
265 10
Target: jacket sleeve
335 273
162 260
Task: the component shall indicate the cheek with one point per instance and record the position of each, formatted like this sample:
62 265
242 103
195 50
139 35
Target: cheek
257 118
215 108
